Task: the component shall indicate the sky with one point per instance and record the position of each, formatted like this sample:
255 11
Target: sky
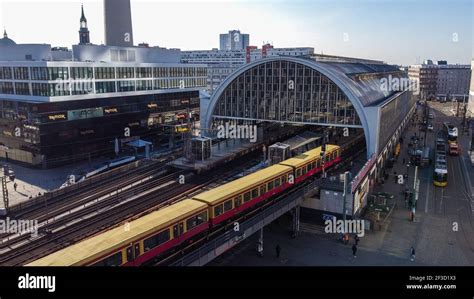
396 31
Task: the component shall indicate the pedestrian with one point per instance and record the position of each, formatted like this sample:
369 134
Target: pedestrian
278 250
354 250
14 186
345 238
356 239
412 251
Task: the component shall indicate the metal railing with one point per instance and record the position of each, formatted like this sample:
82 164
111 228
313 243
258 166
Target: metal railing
253 224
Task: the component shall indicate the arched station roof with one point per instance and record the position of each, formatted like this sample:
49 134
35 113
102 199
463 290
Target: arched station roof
359 81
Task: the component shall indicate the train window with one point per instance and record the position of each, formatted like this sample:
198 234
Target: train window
217 210
270 186
334 155
263 189
313 165
255 193
196 220
246 196
277 182
298 172
201 218
304 170
318 163
228 205
156 240
283 179
113 260
129 254
191 223
181 228
238 201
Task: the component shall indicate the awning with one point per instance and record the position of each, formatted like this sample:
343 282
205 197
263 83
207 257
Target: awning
139 143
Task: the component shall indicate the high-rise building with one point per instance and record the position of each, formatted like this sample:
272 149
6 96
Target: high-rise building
470 107
118 23
84 38
441 81
234 40
221 63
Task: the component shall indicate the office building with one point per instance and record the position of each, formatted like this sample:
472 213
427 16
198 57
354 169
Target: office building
470 107
221 63
233 40
441 81
59 106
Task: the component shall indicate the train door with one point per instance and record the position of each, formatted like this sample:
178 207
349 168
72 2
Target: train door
178 229
129 254
132 252
136 250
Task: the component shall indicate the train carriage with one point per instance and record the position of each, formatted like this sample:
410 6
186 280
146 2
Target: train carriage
164 230
310 162
135 243
232 198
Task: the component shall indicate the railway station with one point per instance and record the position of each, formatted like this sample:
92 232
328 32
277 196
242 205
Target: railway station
166 173
325 127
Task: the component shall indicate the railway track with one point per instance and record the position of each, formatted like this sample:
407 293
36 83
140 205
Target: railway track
107 183
102 217
55 239
74 201
69 217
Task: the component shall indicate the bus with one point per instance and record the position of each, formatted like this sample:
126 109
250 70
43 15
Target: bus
440 174
451 132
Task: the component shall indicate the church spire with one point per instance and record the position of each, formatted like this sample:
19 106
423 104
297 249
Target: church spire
5 35
83 17
83 30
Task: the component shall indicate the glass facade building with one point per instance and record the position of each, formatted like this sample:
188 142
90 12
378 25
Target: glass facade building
54 113
321 90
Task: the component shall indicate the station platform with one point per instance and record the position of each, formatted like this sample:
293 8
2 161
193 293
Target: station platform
221 153
231 149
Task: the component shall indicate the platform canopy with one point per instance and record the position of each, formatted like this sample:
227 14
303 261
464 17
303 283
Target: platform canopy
139 143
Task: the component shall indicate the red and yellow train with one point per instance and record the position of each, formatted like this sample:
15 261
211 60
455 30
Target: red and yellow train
166 229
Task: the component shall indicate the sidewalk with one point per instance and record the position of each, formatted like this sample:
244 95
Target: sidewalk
467 161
